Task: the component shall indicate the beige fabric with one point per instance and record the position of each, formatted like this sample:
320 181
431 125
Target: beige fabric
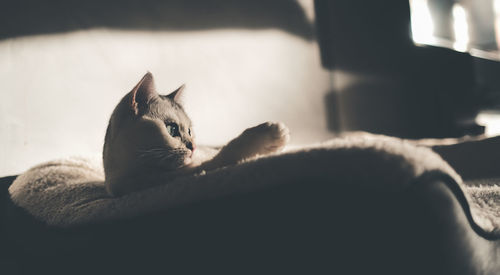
484 197
71 191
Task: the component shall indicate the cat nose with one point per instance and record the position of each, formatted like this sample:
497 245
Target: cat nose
190 146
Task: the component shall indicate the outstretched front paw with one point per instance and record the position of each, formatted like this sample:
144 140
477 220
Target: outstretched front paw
266 138
263 139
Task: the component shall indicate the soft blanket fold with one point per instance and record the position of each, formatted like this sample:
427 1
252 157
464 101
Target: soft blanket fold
71 191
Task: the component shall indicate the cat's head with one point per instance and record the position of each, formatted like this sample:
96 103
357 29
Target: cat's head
148 131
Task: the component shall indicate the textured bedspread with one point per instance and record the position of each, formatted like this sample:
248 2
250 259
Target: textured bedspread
484 198
71 191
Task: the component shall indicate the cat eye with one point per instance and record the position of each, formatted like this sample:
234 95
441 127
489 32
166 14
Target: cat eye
173 129
189 131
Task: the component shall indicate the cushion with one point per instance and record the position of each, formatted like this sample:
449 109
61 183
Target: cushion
71 191
395 207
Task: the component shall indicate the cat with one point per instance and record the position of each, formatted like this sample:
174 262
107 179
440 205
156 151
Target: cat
150 141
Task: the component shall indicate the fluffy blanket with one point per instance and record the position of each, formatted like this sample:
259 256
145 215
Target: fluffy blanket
71 191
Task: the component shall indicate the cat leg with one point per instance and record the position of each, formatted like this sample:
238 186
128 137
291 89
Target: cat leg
263 139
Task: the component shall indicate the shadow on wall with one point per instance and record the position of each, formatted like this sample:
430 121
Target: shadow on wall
30 17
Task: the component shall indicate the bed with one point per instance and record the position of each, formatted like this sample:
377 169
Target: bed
350 205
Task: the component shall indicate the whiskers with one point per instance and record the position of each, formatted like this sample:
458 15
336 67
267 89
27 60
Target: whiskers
169 158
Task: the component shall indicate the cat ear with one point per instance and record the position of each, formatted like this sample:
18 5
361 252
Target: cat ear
176 95
143 92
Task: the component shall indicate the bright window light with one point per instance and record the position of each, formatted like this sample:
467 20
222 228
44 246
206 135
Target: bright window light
422 26
460 28
490 120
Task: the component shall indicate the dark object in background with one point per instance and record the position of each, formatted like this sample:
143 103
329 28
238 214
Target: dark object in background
393 87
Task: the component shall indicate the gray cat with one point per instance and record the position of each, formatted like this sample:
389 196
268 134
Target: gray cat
150 141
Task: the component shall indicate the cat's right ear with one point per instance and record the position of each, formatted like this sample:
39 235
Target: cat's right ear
142 93
176 95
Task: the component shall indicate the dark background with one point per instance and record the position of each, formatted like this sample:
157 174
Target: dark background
400 89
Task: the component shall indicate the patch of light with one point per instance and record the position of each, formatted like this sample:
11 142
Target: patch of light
308 8
491 120
422 26
496 6
496 9
460 28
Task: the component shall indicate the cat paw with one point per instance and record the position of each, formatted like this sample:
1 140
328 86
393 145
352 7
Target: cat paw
263 139
268 137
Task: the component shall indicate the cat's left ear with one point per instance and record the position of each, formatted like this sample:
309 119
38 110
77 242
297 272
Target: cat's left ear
176 95
143 93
